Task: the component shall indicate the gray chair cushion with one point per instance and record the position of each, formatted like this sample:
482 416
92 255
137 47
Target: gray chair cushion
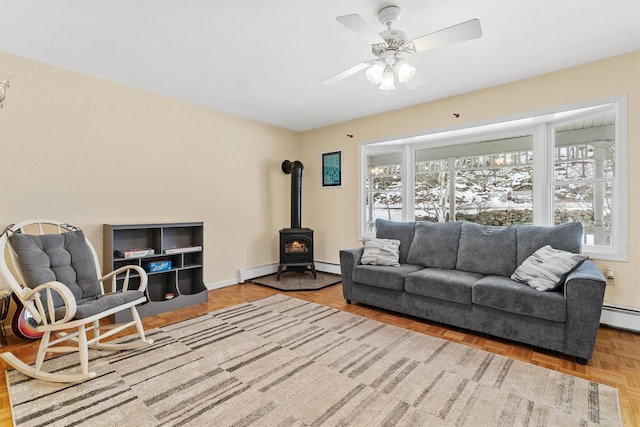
504 294
487 250
435 245
66 258
101 303
530 238
443 284
395 230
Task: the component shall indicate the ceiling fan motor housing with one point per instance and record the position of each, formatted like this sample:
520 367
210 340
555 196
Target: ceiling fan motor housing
395 38
389 15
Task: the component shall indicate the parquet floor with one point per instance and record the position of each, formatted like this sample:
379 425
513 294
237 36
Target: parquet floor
616 361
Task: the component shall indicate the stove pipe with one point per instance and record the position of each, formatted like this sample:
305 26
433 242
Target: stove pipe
295 170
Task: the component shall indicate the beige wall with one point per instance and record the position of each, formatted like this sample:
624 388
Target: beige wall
87 151
333 212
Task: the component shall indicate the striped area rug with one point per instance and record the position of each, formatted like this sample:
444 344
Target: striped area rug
281 361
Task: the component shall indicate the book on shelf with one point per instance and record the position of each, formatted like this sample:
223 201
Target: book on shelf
183 249
134 253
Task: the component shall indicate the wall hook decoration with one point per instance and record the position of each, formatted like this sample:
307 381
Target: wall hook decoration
5 80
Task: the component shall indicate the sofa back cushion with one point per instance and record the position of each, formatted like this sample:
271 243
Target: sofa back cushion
530 238
487 250
395 230
435 245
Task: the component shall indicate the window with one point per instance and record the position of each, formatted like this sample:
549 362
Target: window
545 169
487 182
383 186
584 177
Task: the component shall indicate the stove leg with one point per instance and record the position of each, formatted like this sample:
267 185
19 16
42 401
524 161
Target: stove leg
279 271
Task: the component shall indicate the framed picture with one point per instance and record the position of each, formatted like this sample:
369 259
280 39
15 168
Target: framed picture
332 169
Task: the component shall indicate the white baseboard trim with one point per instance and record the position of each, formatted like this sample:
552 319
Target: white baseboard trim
326 267
221 284
245 274
621 317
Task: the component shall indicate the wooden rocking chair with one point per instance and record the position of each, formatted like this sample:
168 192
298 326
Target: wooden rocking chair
55 273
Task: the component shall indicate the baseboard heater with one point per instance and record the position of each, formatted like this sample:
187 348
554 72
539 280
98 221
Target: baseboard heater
621 317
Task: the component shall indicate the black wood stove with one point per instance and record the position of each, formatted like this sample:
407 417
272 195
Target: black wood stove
296 243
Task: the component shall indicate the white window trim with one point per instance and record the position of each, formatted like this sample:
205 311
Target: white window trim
540 125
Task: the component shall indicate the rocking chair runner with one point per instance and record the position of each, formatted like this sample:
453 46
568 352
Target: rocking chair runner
55 273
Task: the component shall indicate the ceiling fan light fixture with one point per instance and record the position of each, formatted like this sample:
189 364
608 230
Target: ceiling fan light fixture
405 71
389 45
387 80
375 72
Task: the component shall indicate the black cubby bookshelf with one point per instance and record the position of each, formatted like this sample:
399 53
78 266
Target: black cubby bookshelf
179 286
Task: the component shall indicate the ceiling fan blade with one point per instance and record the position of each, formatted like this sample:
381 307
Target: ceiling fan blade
416 80
355 23
346 73
468 30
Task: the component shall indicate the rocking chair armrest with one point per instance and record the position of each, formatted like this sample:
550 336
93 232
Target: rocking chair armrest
127 270
46 315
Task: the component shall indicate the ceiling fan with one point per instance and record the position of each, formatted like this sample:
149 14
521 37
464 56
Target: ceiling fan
389 45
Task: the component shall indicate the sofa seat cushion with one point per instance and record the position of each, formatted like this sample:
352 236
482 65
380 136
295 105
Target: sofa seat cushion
435 245
449 285
383 276
504 294
487 250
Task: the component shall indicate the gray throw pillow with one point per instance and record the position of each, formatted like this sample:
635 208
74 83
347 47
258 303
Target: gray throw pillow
381 251
547 268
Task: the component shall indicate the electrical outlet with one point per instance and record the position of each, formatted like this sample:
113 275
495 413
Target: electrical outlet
610 276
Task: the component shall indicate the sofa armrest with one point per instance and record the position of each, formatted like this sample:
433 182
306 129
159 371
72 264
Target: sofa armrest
584 294
349 258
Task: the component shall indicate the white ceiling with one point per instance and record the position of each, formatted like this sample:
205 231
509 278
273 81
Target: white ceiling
266 59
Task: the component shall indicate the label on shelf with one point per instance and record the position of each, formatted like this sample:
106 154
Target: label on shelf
182 249
134 253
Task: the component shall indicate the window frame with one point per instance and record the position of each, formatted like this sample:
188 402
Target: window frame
618 251
541 125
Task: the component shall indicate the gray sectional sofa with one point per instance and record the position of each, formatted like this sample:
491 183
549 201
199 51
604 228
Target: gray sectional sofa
460 274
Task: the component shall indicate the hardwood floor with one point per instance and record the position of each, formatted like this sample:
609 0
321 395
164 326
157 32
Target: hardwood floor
616 361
